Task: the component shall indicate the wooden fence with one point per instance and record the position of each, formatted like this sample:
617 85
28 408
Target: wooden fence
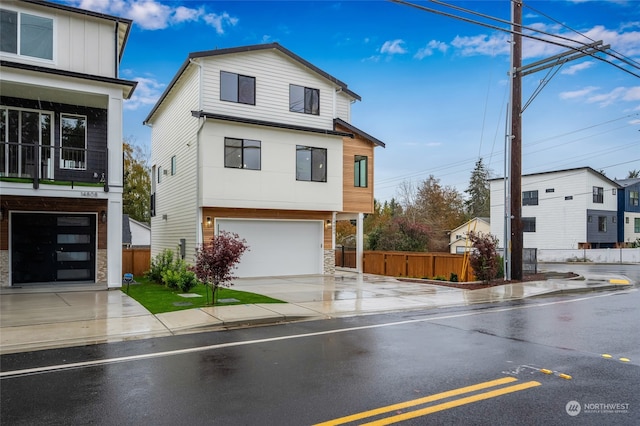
136 260
416 265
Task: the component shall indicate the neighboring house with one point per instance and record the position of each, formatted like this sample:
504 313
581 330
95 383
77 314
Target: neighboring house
562 209
458 238
134 233
61 174
628 210
257 141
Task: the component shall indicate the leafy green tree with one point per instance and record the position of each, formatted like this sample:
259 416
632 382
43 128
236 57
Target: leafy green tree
137 183
478 203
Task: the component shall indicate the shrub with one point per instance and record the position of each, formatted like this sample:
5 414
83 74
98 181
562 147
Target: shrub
179 276
453 278
159 264
483 258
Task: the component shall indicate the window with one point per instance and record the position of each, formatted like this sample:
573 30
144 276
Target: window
311 164
602 224
241 154
613 219
26 35
528 224
598 194
568 197
626 219
173 165
360 171
159 174
530 198
548 190
633 198
636 225
237 88
304 99
73 140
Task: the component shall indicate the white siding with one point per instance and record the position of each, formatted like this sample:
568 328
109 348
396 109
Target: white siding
273 72
629 229
174 133
275 185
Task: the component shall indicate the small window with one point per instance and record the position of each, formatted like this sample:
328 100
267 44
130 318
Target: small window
311 164
237 88
242 154
613 191
530 198
626 219
548 190
159 174
590 219
633 198
613 219
304 99
528 224
602 224
26 35
73 141
173 165
568 197
360 171
598 194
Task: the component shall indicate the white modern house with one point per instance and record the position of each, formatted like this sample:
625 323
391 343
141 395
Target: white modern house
256 140
61 178
459 237
562 209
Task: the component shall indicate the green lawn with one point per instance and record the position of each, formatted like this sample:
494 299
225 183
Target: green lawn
158 298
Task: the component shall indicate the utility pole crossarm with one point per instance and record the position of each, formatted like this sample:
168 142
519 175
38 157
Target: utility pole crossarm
562 58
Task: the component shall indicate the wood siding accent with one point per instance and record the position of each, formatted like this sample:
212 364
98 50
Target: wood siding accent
52 205
224 213
355 199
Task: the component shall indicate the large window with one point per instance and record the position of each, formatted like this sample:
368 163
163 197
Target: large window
73 140
530 198
25 143
360 171
598 194
237 88
304 99
241 154
311 164
528 224
636 225
633 198
602 224
26 35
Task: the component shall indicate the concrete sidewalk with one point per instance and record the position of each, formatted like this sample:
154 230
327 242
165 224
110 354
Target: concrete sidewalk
43 320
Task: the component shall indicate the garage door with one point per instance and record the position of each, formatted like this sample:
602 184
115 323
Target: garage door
277 247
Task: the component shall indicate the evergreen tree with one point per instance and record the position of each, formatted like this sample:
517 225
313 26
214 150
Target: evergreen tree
478 203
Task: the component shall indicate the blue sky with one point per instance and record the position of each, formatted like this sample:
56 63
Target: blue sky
433 88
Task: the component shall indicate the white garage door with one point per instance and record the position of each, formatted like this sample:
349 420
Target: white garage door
277 247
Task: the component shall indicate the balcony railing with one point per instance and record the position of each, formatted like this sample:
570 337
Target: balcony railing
46 163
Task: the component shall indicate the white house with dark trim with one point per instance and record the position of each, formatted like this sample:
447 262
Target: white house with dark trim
61 179
256 140
562 209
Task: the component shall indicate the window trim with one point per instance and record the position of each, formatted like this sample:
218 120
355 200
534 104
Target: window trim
357 172
528 224
86 141
312 150
18 53
530 200
314 109
243 149
634 201
237 82
598 194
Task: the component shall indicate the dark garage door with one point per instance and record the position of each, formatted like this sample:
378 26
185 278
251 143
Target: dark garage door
52 248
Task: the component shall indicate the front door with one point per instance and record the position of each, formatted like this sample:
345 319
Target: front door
52 248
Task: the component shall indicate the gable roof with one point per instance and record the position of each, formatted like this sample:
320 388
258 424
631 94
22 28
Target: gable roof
588 169
627 182
256 47
354 129
466 224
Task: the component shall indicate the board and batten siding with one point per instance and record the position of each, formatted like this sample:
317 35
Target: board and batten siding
356 199
174 133
274 186
274 72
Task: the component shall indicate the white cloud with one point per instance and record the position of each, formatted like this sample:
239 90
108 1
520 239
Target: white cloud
393 47
149 14
606 99
184 14
429 49
482 45
220 21
147 93
573 69
578 93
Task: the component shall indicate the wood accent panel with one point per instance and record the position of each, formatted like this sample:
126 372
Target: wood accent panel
51 205
354 199
223 213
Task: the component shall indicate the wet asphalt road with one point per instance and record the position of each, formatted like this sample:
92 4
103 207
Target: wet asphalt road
313 372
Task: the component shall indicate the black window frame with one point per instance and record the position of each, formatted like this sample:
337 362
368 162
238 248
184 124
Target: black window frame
27 32
245 146
528 224
598 194
358 162
310 102
318 168
240 81
602 223
530 198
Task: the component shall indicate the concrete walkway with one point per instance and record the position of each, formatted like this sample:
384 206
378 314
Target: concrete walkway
42 319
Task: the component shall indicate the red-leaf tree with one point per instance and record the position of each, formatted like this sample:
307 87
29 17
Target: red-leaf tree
216 260
484 257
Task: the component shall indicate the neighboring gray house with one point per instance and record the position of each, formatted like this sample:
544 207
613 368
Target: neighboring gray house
629 210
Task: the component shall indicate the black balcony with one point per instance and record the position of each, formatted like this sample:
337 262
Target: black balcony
23 162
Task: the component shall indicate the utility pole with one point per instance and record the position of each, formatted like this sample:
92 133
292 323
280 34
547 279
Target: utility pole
515 174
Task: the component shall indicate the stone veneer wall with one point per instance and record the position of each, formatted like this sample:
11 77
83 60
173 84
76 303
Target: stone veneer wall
101 272
329 262
4 268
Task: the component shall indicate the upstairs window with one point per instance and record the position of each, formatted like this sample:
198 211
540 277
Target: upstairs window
598 194
73 140
311 164
26 35
528 224
530 198
174 165
633 198
304 100
241 154
237 88
360 171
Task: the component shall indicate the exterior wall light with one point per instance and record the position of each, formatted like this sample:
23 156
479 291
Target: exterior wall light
103 216
209 222
328 223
